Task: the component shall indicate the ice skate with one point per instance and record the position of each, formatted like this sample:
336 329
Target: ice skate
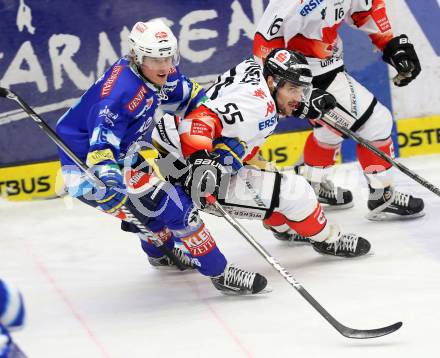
332 196
393 204
348 245
236 282
289 236
165 263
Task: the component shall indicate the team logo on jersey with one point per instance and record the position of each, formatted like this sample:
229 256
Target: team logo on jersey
260 93
137 99
111 80
310 6
270 108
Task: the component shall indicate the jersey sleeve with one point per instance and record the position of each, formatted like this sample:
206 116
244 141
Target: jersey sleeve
370 17
107 124
183 94
198 130
279 22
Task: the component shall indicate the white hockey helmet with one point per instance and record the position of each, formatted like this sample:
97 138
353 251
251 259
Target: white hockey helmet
153 39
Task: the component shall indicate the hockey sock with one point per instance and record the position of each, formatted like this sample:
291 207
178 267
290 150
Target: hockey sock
317 154
203 248
314 226
375 168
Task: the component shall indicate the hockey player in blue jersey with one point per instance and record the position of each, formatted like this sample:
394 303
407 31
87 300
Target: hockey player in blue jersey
104 129
12 314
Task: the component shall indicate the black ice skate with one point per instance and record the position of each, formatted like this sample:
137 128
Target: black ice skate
333 196
393 204
289 236
164 262
348 245
235 281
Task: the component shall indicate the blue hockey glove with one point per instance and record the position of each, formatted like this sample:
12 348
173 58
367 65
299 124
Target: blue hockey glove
230 152
114 196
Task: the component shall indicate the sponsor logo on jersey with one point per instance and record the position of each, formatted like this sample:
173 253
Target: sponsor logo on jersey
310 6
111 80
137 99
380 18
199 243
267 123
109 116
138 181
200 128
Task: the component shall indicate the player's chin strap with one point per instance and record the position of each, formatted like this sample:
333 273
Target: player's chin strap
90 175
344 330
335 119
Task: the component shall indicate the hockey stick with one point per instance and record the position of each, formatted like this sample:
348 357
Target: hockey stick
344 330
333 119
92 177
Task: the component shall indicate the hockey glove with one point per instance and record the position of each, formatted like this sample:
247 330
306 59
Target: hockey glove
230 151
205 173
114 196
400 54
320 103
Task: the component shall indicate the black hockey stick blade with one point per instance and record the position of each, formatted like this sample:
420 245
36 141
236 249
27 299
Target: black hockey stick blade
367 333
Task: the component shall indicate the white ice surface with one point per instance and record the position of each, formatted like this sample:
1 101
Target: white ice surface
90 291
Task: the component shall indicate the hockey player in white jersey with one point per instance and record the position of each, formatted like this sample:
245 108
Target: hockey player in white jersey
225 133
311 28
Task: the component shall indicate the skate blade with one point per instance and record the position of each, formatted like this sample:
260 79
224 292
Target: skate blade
296 243
267 289
328 207
372 216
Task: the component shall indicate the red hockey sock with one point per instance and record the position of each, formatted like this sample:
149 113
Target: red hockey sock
370 162
317 154
311 226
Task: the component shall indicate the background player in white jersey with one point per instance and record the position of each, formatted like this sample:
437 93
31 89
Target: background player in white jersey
12 316
104 128
311 28
228 129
